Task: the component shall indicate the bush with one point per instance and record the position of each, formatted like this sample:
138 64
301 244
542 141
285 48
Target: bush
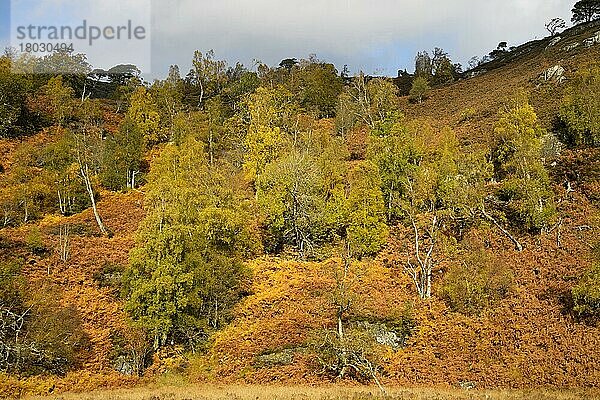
477 283
466 115
355 355
580 111
528 202
420 89
37 335
34 241
131 352
110 276
525 190
586 295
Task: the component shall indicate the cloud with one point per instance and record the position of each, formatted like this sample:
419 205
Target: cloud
365 34
372 35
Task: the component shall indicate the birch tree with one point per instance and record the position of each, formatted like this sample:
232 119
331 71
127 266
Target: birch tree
87 141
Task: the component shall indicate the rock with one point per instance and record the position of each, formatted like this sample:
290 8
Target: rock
285 357
553 42
474 74
593 40
467 385
383 335
570 47
556 73
123 365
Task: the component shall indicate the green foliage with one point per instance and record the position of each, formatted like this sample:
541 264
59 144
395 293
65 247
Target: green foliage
391 150
476 283
271 112
517 156
61 62
302 194
580 110
423 65
209 74
367 102
438 69
168 97
58 160
14 117
35 241
186 271
27 192
292 195
318 86
241 83
419 90
529 202
309 198
366 229
122 158
422 170
144 113
60 100
12 284
586 295
428 183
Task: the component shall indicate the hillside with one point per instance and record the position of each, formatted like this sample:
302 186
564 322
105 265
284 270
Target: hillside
527 339
480 97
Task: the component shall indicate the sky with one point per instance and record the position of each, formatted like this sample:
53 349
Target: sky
375 36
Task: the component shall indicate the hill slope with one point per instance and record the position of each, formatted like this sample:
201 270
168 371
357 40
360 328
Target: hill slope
526 340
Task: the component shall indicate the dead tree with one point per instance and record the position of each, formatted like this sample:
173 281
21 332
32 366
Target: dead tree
419 267
84 157
345 352
64 242
518 245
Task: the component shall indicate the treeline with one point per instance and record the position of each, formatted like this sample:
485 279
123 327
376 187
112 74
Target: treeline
296 160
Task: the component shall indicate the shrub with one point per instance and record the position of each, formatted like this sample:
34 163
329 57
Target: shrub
34 241
528 203
466 115
110 276
37 335
354 355
586 295
131 352
420 89
580 111
525 189
477 283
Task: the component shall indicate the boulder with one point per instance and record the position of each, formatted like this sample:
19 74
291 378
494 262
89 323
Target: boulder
570 47
554 42
593 40
123 365
467 385
284 357
383 334
556 73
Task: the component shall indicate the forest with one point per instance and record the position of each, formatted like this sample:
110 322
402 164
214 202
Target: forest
293 223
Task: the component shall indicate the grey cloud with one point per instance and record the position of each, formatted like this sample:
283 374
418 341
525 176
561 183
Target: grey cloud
353 32
365 34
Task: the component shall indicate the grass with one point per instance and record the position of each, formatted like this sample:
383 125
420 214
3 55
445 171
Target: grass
210 392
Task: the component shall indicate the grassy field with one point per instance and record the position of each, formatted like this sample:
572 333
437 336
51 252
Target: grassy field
319 393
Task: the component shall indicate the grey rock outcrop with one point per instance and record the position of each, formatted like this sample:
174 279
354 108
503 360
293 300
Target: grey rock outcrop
554 42
593 40
570 47
556 73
